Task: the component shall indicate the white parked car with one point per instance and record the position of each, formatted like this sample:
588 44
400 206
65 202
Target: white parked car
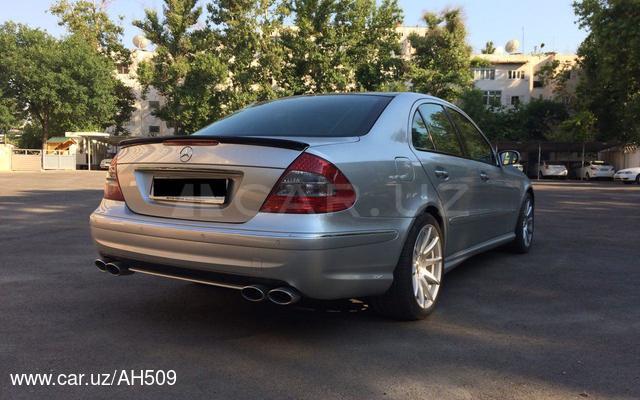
104 164
595 169
549 169
628 175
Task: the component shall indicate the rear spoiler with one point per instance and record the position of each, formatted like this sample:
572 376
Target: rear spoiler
213 140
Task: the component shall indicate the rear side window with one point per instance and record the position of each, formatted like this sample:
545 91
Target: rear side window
442 132
477 147
315 116
420 135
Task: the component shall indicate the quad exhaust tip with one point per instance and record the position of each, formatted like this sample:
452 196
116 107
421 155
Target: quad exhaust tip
101 265
114 267
254 293
283 296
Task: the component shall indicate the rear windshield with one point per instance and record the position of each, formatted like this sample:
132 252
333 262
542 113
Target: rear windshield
315 116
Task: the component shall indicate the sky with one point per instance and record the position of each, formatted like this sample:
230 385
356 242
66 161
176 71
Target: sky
543 21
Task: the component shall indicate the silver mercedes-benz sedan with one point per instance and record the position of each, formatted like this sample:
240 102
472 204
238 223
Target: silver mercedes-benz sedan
370 196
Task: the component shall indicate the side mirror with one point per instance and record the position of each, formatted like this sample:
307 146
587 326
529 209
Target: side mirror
509 157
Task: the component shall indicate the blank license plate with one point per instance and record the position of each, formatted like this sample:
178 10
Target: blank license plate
190 190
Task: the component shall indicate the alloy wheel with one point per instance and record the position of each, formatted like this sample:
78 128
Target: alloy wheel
527 223
427 266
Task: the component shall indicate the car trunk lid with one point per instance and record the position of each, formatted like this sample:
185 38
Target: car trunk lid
205 178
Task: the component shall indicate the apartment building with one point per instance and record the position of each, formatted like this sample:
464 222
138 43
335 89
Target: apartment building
512 79
142 122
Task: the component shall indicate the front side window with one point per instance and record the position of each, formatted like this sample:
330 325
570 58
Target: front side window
442 132
420 135
477 147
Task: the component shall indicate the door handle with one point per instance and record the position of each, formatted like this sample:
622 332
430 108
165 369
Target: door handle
484 176
441 173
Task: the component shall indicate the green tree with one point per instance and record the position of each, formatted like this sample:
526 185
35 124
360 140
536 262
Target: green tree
10 115
610 60
541 118
441 63
244 34
61 84
376 53
337 46
489 48
90 20
185 70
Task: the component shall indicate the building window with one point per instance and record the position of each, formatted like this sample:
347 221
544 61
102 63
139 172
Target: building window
492 97
154 105
515 74
123 69
537 84
484 73
515 101
153 130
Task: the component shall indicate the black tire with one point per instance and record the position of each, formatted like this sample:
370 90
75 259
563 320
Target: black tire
638 179
519 244
399 301
588 177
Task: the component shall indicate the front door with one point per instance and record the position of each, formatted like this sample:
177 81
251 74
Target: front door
495 194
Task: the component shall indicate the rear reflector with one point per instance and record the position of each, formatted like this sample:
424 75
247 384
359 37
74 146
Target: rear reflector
310 185
112 189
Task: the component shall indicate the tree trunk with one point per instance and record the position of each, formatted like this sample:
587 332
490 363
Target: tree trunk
45 131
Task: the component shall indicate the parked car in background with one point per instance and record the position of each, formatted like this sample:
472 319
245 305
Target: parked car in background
594 170
628 175
551 169
104 164
299 197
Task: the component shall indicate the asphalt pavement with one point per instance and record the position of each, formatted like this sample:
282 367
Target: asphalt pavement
562 322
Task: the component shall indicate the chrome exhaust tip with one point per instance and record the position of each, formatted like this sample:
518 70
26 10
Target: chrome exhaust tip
254 293
101 265
117 269
284 296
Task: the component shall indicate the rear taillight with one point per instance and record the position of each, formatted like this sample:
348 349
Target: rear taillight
112 186
310 185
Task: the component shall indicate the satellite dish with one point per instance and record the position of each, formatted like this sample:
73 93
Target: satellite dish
140 42
512 46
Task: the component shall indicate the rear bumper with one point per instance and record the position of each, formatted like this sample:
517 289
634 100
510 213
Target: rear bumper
325 265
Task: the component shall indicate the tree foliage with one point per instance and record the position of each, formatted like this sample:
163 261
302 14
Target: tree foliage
184 71
61 84
489 48
441 63
245 32
610 61
89 20
341 45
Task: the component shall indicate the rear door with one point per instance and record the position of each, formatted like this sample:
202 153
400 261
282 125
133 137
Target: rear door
496 194
437 146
